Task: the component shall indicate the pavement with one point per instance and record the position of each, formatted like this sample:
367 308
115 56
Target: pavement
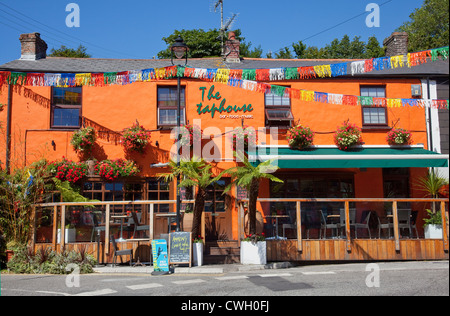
208 269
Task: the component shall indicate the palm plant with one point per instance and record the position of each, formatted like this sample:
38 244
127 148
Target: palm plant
431 184
194 172
249 177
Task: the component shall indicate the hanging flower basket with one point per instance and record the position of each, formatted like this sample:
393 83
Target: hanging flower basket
113 169
300 137
246 135
67 170
83 140
189 135
347 136
399 137
135 138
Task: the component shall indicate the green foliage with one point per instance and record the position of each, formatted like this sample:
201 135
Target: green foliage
428 26
203 43
434 218
337 49
46 261
68 193
63 51
18 192
431 184
83 140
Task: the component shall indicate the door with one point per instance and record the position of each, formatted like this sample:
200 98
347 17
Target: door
218 212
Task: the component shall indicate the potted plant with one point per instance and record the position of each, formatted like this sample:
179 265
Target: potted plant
347 136
249 177
135 138
433 225
188 136
433 185
70 234
300 137
197 251
399 136
253 249
83 140
67 170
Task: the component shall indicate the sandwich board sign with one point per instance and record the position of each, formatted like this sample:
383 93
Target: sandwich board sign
160 257
180 245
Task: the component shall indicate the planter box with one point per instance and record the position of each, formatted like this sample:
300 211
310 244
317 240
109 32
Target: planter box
9 255
188 219
433 232
253 253
197 249
70 235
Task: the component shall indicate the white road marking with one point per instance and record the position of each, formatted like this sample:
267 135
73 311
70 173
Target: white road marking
274 275
144 286
189 281
239 277
319 273
97 293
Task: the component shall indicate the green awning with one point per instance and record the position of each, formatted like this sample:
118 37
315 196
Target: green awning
364 157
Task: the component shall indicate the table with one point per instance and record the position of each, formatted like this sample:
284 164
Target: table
121 239
276 217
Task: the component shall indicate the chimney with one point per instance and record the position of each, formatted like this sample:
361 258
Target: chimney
33 47
396 44
232 47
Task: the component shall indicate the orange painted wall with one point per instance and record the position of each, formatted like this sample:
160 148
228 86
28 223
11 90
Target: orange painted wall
118 107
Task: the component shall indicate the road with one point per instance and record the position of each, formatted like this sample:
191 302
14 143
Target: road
383 279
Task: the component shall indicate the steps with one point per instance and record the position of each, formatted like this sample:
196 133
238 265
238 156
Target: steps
222 252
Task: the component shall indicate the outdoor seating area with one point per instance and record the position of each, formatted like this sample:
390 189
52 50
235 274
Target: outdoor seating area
328 221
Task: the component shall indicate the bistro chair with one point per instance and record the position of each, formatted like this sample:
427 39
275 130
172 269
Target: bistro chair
404 220
326 225
364 224
97 227
120 253
137 225
414 222
312 220
352 214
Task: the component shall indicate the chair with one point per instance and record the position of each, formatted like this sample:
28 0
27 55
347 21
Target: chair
404 220
325 225
292 223
97 228
364 224
352 214
414 222
312 221
120 253
137 225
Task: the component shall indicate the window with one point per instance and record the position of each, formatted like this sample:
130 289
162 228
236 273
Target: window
215 199
374 115
66 107
159 190
278 110
168 106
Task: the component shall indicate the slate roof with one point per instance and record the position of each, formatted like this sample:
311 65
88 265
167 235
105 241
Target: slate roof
92 65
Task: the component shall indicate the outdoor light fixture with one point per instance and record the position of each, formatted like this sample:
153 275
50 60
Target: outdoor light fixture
179 49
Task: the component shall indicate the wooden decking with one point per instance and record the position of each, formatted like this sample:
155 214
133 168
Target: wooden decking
361 250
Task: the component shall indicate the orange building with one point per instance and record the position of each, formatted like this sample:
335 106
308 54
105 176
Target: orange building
42 119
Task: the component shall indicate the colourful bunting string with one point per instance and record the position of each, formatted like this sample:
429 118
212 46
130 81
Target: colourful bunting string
252 79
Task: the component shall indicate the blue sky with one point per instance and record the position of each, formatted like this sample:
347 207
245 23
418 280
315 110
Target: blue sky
135 28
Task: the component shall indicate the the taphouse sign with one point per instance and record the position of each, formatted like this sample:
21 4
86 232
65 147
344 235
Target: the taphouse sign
225 110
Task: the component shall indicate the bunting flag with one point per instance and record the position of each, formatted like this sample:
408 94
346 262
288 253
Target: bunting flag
252 79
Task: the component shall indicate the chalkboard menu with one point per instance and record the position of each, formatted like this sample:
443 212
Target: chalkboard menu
242 193
180 248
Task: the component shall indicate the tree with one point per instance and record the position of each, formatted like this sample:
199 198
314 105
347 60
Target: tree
284 53
249 177
195 173
432 185
299 49
63 51
428 26
203 43
373 48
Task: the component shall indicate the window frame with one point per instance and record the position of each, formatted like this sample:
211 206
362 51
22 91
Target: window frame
175 108
363 108
55 105
278 122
